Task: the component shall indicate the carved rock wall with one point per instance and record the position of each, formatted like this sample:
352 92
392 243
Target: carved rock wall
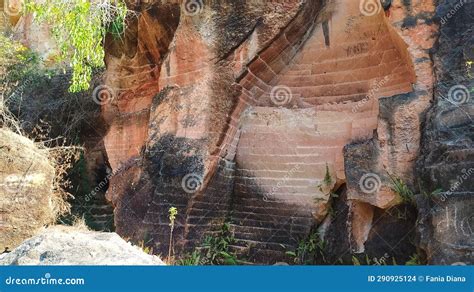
255 113
446 221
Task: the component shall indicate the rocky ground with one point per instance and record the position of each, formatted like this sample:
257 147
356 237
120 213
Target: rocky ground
77 246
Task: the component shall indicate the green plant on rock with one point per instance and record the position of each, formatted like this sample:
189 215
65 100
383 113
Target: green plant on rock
436 193
17 62
193 259
79 27
172 212
327 181
327 177
145 249
414 260
402 189
468 67
309 250
215 250
355 261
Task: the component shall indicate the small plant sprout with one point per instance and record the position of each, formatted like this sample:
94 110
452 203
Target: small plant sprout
172 216
327 181
414 260
327 176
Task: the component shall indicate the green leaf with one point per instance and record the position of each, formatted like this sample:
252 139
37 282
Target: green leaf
79 27
355 261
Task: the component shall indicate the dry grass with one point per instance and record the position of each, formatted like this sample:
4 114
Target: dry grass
80 224
59 156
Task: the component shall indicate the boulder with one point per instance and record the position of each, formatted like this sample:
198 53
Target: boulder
27 201
61 245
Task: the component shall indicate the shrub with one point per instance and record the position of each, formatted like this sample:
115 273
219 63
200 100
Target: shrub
215 250
79 28
309 250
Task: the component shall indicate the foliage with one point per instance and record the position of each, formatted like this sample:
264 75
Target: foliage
36 95
117 27
469 67
433 194
16 61
193 259
172 215
327 176
401 188
79 27
355 261
142 246
327 181
215 250
172 212
10 52
414 260
309 250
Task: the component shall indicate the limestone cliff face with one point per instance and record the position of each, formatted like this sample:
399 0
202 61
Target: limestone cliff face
279 117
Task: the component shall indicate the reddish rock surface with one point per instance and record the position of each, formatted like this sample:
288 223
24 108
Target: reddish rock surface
256 113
